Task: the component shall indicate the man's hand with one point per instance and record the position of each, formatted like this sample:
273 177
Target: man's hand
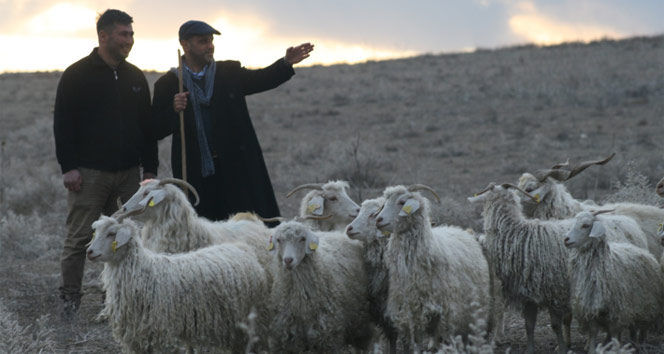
72 180
295 55
180 101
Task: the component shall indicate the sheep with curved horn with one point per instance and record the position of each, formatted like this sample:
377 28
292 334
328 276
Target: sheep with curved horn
330 199
555 202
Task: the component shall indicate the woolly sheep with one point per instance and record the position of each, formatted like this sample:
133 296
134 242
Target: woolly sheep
529 258
613 285
363 228
171 225
159 301
432 274
319 293
555 201
328 199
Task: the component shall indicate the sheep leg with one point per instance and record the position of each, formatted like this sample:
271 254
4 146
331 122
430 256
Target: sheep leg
592 337
530 316
556 325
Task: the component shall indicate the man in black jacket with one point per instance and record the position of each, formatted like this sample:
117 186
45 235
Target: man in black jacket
101 121
224 159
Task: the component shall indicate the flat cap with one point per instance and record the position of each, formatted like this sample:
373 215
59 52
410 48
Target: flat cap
195 28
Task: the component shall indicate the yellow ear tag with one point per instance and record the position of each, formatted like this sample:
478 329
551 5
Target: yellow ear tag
151 203
270 247
313 246
95 233
114 246
386 233
407 209
659 229
312 207
537 198
475 195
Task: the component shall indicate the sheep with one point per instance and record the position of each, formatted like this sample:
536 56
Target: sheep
529 259
328 199
613 285
158 301
319 295
363 228
555 202
432 274
171 225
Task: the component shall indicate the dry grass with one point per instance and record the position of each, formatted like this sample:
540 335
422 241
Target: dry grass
453 122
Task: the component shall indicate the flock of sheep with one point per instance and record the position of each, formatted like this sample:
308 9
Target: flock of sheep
342 276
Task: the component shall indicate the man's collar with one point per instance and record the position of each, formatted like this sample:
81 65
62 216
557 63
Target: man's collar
199 74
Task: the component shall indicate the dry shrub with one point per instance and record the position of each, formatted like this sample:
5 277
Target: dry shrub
35 338
634 188
26 237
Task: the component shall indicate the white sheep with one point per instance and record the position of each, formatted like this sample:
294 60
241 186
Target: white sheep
613 285
529 259
319 294
327 199
555 201
363 228
171 225
160 301
436 278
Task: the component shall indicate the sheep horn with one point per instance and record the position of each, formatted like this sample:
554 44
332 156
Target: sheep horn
120 207
316 217
278 219
182 184
119 203
416 187
583 165
488 188
557 174
318 186
597 212
510 185
560 165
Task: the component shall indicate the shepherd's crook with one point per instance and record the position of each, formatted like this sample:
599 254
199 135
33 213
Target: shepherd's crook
182 140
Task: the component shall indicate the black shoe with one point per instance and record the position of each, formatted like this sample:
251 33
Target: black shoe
70 309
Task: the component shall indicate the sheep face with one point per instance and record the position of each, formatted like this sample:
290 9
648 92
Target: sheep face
331 199
399 209
539 190
363 227
586 227
109 239
292 242
148 196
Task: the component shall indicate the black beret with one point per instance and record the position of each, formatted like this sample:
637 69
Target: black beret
195 28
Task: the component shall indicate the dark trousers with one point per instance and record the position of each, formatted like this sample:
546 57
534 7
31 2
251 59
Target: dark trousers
98 194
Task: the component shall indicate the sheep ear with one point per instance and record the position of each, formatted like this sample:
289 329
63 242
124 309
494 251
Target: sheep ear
597 230
270 244
315 205
122 236
312 242
411 206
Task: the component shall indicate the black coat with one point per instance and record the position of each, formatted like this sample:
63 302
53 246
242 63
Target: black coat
241 181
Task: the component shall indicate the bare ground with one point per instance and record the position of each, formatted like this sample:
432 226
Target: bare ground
454 122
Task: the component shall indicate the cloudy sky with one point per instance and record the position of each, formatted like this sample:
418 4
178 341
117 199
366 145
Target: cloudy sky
50 35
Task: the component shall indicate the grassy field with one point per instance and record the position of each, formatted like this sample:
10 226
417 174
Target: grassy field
454 122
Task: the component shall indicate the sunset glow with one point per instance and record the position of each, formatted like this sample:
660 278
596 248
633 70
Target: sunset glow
51 35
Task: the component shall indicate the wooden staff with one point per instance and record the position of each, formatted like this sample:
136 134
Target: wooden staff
182 140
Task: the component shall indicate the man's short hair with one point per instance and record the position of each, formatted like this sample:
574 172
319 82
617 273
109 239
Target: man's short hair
112 17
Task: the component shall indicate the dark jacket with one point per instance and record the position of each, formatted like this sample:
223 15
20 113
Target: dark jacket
102 117
241 176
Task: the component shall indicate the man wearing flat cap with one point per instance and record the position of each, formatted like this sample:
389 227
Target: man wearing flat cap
223 157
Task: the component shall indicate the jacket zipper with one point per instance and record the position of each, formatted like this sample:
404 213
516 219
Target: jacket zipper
116 74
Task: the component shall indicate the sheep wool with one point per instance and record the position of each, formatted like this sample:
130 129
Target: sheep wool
158 301
320 305
436 277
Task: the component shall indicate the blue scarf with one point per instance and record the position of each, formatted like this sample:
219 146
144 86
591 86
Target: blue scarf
200 96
